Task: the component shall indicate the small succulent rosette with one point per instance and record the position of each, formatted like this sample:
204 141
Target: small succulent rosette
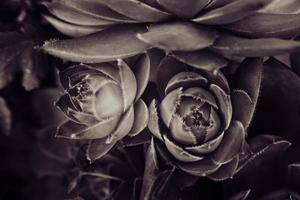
199 123
244 28
102 103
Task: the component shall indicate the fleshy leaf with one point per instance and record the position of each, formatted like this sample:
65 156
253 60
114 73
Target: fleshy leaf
97 9
73 130
179 36
162 183
200 168
237 46
116 42
98 148
226 171
185 9
247 83
263 147
141 118
186 80
5 118
201 59
142 138
167 68
294 175
67 107
231 12
241 195
73 15
218 3
137 10
231 145
281 194
141 70
128 84
179 153
267 25
224 103
150 172
295 62
169 106
153 123
124 126
180 134
207 147
282 7
72 30
201 94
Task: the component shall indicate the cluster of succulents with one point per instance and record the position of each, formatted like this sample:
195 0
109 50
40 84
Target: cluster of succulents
161 99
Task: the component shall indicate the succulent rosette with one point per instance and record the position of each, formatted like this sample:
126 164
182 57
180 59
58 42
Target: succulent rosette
244 28
102 102
200 123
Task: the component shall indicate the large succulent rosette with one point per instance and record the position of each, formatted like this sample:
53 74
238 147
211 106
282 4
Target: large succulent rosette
103 104
199 123
124 28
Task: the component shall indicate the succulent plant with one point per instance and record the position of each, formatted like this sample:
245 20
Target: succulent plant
200 122
102 102
109 30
